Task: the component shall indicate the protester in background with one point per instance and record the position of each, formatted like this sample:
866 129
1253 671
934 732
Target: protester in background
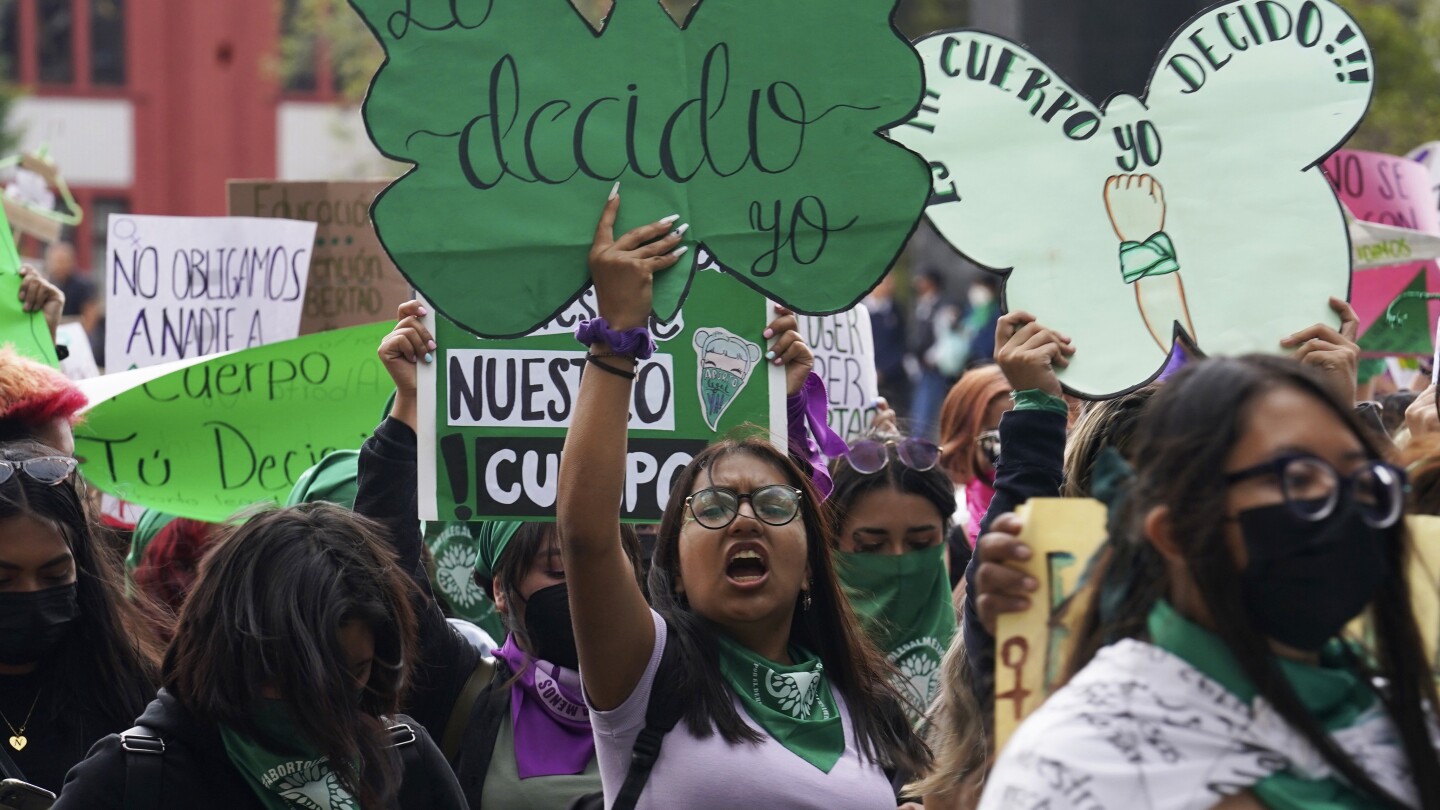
335 479
1393 407
282 685
931 309
887 323
170 564
77 660
1262 519
39 295
893 506
80 296
147 527
515 729
785 702
970 446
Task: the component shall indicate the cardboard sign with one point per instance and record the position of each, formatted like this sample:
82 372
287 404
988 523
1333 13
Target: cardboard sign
844 348
214 436
1198 208
494 413
352 280
181 287
1398 305
80 365
752 122
1031 648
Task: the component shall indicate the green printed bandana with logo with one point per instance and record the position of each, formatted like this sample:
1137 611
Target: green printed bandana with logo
792 703
280 781
906 606
453 545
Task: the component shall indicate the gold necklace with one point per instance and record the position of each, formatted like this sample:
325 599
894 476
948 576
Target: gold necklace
17 740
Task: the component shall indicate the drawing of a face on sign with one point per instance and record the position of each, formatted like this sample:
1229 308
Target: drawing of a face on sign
1094 212
726 362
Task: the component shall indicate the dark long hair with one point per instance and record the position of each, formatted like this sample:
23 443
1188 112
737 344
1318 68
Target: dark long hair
1184 438
110 662
266 612
829 628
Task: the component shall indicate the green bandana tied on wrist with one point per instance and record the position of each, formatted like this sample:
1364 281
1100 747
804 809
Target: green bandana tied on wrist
793 704
906 606
1153 257
281 781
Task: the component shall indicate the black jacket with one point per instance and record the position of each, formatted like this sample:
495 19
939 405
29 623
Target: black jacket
1032 463
197 772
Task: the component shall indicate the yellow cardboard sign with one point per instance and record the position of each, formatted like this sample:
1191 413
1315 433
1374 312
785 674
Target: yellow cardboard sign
1031 647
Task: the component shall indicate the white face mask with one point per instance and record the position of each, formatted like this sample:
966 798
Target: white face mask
981 296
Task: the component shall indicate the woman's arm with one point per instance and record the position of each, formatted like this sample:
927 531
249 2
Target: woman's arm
614 633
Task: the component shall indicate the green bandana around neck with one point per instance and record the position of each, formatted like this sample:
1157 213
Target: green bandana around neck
906 606
1334 693
285 781
793 704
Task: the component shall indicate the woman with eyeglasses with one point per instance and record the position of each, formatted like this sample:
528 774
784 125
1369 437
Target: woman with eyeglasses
1210 669
786 704
78 660
282 686
892 505
970 442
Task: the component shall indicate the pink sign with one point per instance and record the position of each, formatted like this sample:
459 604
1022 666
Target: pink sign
1398 306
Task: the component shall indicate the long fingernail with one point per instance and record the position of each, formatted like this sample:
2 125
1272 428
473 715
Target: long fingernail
680 231
429 358
769 355
615 190
430 345
669 219
769 333
680 251
422 311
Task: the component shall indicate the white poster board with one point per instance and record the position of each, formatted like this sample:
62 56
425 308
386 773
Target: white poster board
844 348
182 287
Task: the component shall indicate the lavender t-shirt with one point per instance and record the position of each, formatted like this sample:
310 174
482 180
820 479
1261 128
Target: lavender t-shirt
710 774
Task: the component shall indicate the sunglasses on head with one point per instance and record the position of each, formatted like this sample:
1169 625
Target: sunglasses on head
869 456
49 470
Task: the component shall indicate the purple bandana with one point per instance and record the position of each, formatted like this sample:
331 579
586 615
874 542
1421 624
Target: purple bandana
547 711
811 436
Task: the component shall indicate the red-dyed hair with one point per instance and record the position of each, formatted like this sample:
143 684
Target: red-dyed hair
960 419
34 394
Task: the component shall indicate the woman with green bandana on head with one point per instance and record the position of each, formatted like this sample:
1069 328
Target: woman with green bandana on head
892 504
282 685
1211 669
786 703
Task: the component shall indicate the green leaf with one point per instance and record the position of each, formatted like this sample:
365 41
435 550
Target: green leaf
757 123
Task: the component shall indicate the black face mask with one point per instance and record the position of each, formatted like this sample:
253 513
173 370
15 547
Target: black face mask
32 624
1307 580
547 622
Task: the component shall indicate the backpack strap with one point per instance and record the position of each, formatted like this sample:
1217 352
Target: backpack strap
480 677
144 767
481 727
667 707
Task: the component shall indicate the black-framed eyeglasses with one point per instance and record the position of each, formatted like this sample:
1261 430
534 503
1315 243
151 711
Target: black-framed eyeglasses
1313 487
869 456
717 507
48 470
989 444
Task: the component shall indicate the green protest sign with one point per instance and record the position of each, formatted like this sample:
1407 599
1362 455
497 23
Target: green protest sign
493 413
26 331
756 123
1200 208
217 436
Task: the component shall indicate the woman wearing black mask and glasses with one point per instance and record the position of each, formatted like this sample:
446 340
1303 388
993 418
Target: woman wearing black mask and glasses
515 729
1210 668
77 660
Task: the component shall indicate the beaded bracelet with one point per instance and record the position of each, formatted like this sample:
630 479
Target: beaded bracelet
634 343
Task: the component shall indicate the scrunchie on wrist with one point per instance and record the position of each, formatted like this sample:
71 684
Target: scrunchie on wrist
635 343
